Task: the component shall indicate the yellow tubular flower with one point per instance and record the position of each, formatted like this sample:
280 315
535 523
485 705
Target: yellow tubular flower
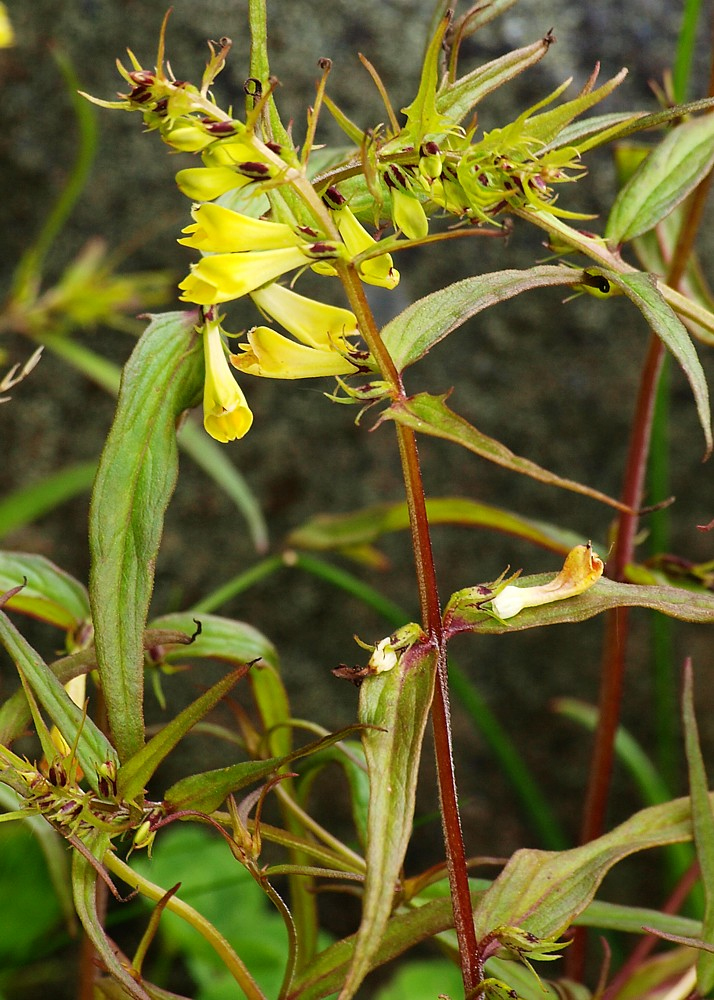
271 355
315 324
226 276
409 215
7 37
207 183
219 230
226 414
376 270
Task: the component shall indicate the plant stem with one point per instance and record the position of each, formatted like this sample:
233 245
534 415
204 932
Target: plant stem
432 623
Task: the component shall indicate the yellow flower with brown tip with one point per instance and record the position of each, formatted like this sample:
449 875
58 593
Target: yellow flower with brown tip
270 354
226 414
582 568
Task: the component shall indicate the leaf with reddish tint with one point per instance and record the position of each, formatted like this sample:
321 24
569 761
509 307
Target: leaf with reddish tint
430 415
398 702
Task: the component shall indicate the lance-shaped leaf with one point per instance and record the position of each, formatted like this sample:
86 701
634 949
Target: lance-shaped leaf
398 702
93 748
136 477
547 125
84 888
135 773
30 502
208 790
423 119
641 289
664 179
458 98
544 891
363 527
703 826
220 638
48 593
464 612
430 415
412 334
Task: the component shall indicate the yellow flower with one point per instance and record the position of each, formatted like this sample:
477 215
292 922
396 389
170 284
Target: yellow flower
207 183
219 230
226 414
376 270
315 324
7 36
270 354
581 569
226 276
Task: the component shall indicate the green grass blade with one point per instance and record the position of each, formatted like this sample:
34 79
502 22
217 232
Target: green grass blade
27 504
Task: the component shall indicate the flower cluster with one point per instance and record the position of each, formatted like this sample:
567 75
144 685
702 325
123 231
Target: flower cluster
289 223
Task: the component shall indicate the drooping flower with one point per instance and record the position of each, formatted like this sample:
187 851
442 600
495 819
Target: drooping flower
322 331
226 414
219 230
315 324
270 354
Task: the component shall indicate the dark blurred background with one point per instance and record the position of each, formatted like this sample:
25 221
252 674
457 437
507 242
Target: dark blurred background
555 383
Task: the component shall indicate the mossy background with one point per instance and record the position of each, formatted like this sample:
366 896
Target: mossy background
555 383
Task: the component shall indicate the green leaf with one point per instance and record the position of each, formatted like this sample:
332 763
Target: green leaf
136 477
703 823
398 702
430 415
664 179
638 122
542 891
93 747
25 505
84 887
205 792
135 772
412 334
463 613
327 532
458 98
220 638
642 290
49 593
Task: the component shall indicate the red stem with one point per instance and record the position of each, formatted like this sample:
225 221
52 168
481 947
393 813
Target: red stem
471 965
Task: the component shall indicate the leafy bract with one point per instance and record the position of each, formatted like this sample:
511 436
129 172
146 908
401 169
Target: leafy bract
458 98
48 593
206 791
412 334
136 477
642 290
398 702
135 772
543 891
670 172
93 748
430 415
464 612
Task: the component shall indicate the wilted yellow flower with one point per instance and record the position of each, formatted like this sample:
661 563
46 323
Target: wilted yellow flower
582 568
226 414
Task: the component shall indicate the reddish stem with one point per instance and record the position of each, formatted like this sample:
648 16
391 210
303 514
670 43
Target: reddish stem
471 966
